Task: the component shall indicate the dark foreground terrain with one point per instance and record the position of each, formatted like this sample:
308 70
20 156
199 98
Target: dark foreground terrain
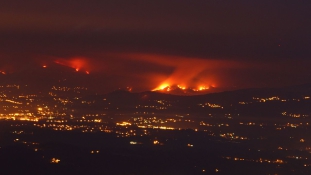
44 151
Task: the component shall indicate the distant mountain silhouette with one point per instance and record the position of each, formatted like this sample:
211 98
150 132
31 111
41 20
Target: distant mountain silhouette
40 78
219 97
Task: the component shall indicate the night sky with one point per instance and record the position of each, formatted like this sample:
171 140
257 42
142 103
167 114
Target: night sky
143 44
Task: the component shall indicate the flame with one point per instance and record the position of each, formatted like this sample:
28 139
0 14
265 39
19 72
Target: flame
168 87
201 88
162 86
181 87
44 66
194 82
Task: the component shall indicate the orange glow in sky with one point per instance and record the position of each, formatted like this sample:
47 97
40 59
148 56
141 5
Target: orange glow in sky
185 73
76 63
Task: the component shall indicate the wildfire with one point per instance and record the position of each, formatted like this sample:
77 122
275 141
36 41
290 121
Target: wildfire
181 87
201 88
168 87
162 87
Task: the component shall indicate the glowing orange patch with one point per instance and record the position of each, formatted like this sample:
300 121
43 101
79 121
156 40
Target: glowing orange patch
162 87
75 63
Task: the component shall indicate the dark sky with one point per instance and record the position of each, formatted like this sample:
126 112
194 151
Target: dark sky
142 44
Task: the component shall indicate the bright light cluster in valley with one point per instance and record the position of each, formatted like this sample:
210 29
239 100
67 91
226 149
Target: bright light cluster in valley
155 121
